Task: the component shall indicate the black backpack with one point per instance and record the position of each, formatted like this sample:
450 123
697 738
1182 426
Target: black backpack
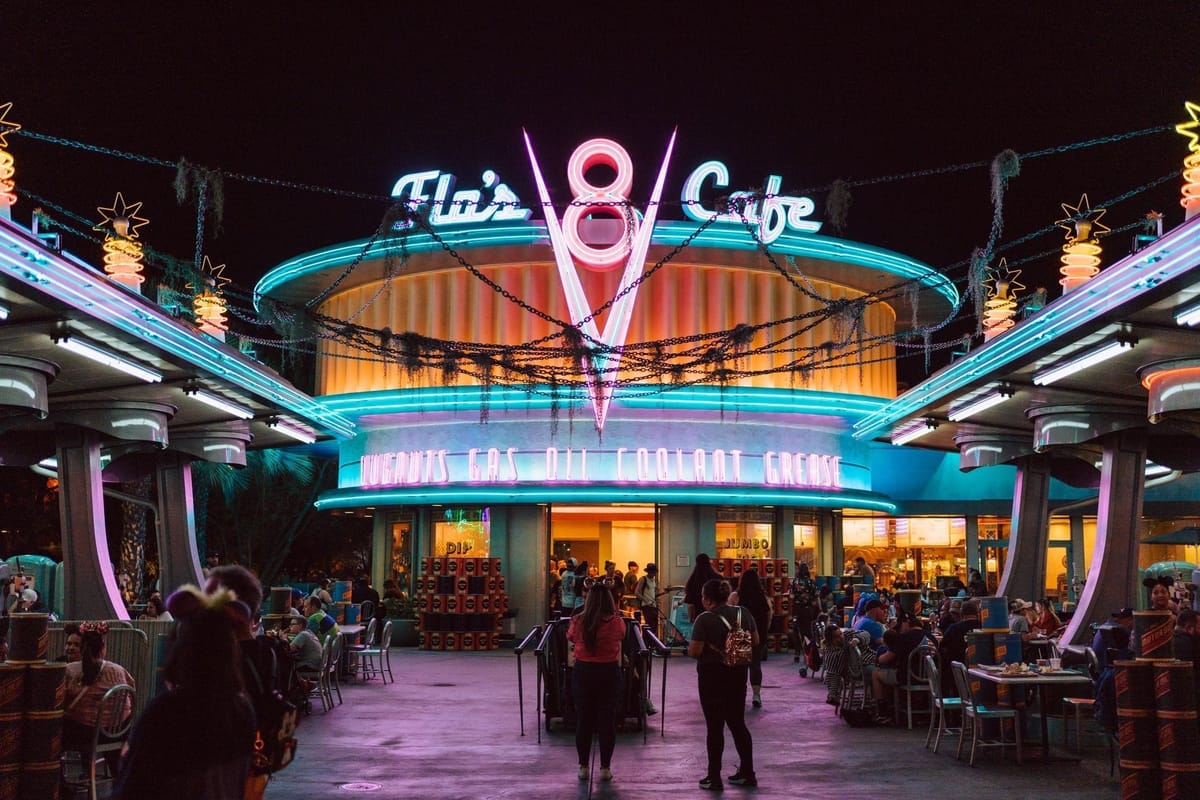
274 740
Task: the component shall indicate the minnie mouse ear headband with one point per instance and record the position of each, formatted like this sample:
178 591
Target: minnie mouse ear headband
94 627
1161 580
187 600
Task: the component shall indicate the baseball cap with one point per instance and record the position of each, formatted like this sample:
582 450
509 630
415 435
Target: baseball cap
572 563
1123 613
29 595
872 605
651 568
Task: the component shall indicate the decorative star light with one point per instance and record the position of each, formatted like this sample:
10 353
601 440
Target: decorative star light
1001 304
8 193
209 305
1081 253
122 255
121 218
6 127
1191 164
1083 221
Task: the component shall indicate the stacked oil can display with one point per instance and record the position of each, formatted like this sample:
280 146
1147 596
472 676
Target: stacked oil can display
460 602
773 573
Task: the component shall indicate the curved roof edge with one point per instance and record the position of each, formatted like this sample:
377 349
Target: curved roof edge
669 233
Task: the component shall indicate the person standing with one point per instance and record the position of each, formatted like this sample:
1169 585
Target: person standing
722 689
646 593
752 598
701 573
630 580
195 740
597 634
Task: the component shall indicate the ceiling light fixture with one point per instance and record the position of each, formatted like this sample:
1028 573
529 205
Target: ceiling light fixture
289 429
1090 358
1188 316
218 402
101 356
973 406
3 313
914 429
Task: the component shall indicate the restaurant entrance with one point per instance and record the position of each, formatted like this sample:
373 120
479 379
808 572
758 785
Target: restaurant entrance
599 533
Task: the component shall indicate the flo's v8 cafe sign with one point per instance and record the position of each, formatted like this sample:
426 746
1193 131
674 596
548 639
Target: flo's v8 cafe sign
773 213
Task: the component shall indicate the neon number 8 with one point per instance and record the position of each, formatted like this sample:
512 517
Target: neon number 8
590 199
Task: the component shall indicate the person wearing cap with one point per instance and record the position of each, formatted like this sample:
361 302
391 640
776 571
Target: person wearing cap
954 643
572 586
1018 618
305 646
871 621
647 591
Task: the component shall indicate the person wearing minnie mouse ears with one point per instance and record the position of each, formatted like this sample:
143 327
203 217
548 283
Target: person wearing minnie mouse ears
86 682
196 739
1160 593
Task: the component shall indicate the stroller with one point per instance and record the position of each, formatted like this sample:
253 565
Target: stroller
677 628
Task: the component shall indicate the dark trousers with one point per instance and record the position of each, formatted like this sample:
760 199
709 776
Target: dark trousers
650 617
723 700
596 689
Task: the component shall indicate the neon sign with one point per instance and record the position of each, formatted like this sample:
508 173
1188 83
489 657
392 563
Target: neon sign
640 465
771 211
450 207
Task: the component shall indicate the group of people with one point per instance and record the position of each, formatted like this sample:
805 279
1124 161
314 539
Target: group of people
571 580
597 634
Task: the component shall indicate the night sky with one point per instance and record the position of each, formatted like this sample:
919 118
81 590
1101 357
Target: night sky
316 95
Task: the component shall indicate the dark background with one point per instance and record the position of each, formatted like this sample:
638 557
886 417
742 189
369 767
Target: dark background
352 98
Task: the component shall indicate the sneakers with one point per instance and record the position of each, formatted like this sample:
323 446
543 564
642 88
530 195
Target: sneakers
740 778
757 701
803 672
583 772
605 774
710 783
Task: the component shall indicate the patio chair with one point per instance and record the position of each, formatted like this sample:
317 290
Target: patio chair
942 704
977 714
854 684
354 651
378 660
332 680
112 726
320 680
1075 707
915 684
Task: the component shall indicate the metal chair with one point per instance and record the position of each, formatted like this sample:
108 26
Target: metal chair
355 650
366 610
854 684
114 718
332 680
378 660
977 713
915 684
941 705
1075 706
321 687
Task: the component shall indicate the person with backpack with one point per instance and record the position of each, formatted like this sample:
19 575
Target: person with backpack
750 595
723 641
194 742
268 673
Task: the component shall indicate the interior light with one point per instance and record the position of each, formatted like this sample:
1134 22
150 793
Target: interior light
1089 359
983 402
913 430
219 402
3 313
1188 316
101 356
294 431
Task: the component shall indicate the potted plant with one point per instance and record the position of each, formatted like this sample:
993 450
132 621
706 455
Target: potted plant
403 615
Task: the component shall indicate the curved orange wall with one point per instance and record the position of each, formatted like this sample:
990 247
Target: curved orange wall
681 299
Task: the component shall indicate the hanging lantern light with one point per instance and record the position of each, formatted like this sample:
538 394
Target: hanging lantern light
209 305
8 194
1191 164
1001 305
122 253
1081 253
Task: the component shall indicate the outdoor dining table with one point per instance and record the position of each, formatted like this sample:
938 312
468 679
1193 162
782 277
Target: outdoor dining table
1040 679
349 634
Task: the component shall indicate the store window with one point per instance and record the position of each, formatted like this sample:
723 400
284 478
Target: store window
401 557
907 551
806 542
745 533
463 533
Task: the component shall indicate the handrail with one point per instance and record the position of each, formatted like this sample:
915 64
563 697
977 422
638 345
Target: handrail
519 650
658 644
541 648
643 651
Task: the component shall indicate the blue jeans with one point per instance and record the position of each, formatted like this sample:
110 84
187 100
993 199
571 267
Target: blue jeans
596 688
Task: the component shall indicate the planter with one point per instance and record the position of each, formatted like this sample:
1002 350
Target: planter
404 632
